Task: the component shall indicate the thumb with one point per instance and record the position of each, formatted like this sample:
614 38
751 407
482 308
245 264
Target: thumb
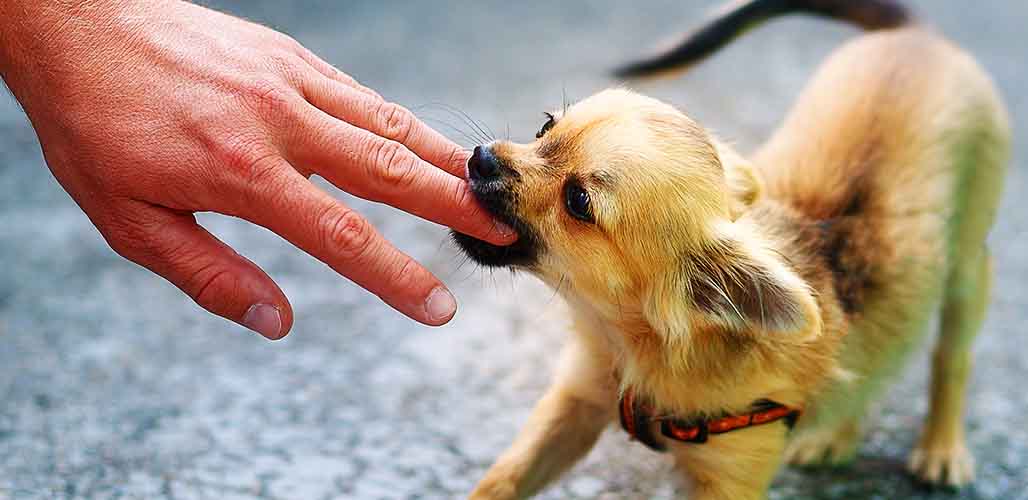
174 246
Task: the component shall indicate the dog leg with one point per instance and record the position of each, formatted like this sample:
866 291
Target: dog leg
833 447
562 428
942 456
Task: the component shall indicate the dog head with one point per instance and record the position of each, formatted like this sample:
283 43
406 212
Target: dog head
625 204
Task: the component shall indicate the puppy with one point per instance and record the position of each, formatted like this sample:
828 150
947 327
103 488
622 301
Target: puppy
738 313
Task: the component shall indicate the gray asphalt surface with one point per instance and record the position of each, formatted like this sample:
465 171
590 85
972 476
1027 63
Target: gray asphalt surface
113 385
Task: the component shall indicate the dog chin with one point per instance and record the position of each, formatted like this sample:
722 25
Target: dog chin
522 253
495 197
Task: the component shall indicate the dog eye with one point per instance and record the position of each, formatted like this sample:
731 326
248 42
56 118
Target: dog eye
550 122
576 199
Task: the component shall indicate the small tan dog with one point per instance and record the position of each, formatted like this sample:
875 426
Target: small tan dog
718 300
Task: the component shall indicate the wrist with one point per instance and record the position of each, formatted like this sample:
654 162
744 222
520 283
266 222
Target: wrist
42 41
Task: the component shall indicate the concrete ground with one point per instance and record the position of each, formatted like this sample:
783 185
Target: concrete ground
113 385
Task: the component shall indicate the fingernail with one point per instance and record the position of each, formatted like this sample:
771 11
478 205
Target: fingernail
440 305
265 320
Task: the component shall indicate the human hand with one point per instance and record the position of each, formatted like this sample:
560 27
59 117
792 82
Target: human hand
148 112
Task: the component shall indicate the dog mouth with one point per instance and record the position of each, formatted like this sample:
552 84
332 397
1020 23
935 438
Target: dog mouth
499 201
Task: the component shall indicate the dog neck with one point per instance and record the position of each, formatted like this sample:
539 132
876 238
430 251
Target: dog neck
712 371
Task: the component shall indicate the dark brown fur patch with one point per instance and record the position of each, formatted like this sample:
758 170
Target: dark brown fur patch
839 248
559 149
844 247
846 240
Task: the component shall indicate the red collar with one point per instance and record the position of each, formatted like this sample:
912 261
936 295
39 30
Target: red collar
637 419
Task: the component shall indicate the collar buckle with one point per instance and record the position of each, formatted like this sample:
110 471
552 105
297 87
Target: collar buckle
683 432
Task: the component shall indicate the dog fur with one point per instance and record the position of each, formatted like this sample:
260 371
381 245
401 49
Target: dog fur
803 275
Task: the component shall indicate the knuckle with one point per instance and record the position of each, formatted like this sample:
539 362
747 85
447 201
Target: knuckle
399 122
209 284
394 164
251 166
125 246
260 181
131 240
406 275
287 64
260 170
269 99
346 233
238 153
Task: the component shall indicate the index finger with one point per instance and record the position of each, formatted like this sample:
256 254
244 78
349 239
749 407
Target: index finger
388 120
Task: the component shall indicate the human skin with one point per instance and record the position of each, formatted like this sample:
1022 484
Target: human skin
150 111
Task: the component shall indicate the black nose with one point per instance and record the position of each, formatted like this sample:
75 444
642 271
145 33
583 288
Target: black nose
482 165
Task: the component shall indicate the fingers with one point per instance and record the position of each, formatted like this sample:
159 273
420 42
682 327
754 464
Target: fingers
333 73
217 278
382 170
388 120
322 226
367 151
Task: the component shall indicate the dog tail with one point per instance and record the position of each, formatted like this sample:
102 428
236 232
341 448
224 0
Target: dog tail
740 16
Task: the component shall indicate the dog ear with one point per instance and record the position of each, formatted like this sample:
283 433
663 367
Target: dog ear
739 286
744 183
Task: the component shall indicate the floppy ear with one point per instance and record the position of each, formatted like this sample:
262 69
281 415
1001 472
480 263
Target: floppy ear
739 286
744 183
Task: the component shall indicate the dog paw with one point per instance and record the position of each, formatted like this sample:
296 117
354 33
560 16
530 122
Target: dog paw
494 490
833 448
949 465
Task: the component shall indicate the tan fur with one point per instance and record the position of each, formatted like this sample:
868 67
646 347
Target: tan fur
803 276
